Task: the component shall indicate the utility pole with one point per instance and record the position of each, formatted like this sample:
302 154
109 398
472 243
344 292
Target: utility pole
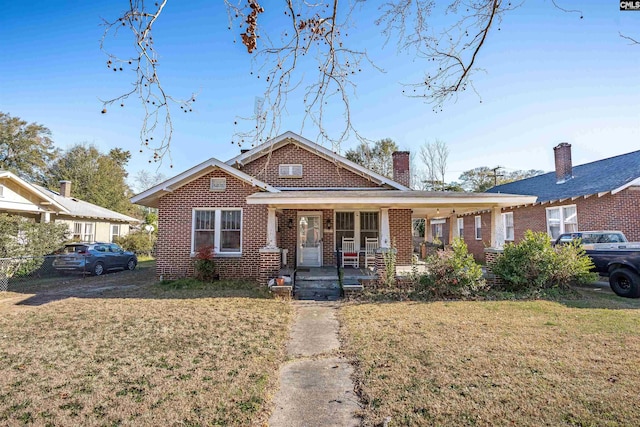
495 175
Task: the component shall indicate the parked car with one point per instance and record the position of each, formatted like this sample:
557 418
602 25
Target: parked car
592 237
613 256
94 258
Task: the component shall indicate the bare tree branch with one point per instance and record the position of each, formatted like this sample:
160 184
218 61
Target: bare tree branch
314 35
147 86
631 39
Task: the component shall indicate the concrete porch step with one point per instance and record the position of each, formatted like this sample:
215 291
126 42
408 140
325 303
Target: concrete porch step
318 290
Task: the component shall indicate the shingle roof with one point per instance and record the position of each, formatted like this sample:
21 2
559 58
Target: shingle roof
80 208
591 178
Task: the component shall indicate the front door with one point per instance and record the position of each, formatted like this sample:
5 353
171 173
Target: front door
309 239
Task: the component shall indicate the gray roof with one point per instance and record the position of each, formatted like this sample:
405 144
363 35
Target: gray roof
80 208
591 178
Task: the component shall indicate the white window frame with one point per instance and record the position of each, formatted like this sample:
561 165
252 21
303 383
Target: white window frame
111 227
460 223
506 227
477 222
563 219
356 226
83 233
217 231
290 167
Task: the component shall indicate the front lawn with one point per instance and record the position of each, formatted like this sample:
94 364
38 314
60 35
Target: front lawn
143 355
497 363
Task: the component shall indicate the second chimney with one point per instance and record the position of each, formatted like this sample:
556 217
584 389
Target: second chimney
564 168
65 188
401 172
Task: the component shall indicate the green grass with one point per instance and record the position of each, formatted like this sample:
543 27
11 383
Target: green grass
537 362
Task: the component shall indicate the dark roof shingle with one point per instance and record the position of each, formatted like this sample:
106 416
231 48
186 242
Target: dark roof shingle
591 178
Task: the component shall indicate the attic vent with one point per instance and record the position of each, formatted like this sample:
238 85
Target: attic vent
218 184
1 190
290 171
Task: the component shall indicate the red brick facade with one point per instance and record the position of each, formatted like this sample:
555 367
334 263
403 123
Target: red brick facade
619 211
174 249
317 171
175 227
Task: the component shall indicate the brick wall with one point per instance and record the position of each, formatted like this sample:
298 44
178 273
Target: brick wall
174 227
401 167
400 229
610 212
476 247
316 171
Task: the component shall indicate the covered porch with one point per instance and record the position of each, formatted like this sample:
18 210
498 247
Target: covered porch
305 228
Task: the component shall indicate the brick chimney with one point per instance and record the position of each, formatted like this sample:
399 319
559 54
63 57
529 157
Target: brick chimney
564 168
65 188
401 172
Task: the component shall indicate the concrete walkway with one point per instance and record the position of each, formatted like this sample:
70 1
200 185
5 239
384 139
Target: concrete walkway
315 384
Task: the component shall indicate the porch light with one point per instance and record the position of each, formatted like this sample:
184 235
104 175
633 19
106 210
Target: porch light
290 223
328 224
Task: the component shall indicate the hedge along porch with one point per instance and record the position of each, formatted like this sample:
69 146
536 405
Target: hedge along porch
319 211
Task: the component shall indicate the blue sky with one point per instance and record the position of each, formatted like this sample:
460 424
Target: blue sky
549 77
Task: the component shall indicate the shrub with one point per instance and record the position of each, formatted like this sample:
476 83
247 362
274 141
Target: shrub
140 242
25 237
388 278
534 264
205 267
452 273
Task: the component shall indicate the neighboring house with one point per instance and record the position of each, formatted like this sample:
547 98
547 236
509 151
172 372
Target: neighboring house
86 221
601 195
290 202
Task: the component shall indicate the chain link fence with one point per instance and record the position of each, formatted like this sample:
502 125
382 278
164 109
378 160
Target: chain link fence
20 272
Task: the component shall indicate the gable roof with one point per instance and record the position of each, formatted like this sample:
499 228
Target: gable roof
80 208
289 137
35 190
613 174
151 196
67 206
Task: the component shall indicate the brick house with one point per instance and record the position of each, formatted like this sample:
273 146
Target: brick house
290 202
601 195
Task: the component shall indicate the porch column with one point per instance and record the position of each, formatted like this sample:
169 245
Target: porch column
497 228
45 217
453 227
385 234
428 231
271 228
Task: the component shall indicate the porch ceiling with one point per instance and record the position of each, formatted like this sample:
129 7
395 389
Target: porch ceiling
422 202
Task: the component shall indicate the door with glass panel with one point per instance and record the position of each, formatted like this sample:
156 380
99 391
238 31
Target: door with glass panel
309 239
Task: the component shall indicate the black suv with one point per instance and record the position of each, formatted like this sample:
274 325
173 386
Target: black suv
94 258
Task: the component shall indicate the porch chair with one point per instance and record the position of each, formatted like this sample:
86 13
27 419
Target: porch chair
350 255
370 246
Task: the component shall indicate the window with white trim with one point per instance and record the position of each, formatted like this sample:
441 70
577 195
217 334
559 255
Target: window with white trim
345 226
230 230
115 231
368 226
290 171
219 228
507 221
461 228
83 231
562 219
359 225
437 231
478 227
